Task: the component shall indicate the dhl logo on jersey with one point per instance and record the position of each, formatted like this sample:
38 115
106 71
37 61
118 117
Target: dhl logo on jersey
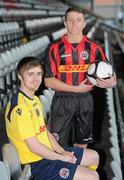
73 68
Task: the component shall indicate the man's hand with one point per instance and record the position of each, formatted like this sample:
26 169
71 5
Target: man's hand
69 157
84 87
107 83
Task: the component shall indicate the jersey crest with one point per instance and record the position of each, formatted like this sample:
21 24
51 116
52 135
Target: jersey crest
64 173
37 112
84 55
19 111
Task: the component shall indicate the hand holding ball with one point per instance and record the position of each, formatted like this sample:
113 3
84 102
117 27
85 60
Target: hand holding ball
99 69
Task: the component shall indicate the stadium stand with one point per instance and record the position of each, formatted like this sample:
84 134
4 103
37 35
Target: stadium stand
38 27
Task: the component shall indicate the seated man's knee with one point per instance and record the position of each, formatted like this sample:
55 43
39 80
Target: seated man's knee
85 174
96 158
95 176
90 158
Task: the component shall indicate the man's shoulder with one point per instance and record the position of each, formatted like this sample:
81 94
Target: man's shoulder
14 109
56 42
90 41
16 102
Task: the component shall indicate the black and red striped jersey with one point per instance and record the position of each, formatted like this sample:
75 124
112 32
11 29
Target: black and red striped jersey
69 62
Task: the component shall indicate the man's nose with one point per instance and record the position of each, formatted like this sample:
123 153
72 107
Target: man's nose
36 77
74 22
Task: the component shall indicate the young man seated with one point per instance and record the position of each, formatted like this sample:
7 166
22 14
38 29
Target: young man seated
35 144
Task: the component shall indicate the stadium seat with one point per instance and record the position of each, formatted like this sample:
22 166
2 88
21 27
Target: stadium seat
11 159
48 95
51 91
3 97
59 33
114 143
4 171
113 128
116 169
114 178
2 75
46 108
115 155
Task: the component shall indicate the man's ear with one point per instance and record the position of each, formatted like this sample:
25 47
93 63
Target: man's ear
65 23
84 24
19 77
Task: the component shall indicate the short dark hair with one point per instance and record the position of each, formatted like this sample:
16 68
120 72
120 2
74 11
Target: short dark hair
73 9
27 63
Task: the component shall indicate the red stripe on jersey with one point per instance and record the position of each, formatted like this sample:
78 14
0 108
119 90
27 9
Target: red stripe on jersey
57 57
92 53
81 61
102 54
52 63
68 51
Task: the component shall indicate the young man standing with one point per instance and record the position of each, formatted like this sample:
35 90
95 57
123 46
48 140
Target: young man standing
66 63
34 143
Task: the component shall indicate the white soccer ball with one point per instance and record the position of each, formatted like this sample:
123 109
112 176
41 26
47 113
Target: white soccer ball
99 69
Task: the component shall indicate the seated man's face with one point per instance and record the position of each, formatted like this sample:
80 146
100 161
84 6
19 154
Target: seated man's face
31 79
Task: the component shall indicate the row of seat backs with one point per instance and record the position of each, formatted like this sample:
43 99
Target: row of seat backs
33 5
34 47
13 34
10 58
21 15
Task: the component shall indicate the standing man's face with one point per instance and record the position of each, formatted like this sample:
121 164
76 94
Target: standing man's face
75 23
31 79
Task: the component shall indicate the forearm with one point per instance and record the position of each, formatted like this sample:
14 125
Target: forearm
41 150
59 85
55 145
46 153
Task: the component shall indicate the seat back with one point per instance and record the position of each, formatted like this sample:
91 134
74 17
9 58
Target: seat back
48 95
11 159
46 108
4 171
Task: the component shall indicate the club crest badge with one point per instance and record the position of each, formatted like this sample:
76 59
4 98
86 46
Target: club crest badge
64 173
84 55
37 112
19 111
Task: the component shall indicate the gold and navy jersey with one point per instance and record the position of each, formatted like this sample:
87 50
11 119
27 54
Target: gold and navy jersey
24 119
69 62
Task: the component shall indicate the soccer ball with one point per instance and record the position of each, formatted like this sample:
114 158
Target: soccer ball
99 69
